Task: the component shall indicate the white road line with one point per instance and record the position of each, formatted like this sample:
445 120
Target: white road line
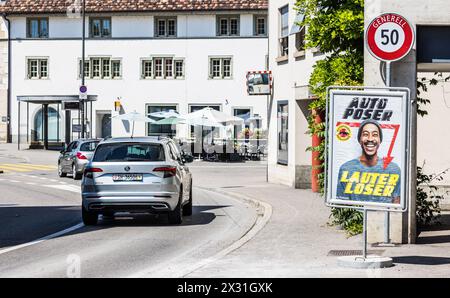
264 211
40 240
67 187
30 183
13 181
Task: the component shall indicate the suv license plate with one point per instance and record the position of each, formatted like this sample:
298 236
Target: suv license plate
127 177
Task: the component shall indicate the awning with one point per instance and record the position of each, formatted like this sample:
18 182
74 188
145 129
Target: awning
296 28
53 99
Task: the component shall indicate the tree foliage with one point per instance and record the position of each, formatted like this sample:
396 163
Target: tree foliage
336 28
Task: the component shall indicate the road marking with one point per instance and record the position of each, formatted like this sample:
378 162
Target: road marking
31 166
180 270
13 181
40 240
26 167
30 183
67 187
13 169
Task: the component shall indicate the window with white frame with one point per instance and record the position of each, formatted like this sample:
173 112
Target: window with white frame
101 68
220 68
37 68
166 27
100 27
162 68
284 31
179 68
260 25
228 25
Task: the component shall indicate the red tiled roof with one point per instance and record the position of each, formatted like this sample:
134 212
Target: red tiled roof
60 6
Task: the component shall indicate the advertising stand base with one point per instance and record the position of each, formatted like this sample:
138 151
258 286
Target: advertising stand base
370 262
365 261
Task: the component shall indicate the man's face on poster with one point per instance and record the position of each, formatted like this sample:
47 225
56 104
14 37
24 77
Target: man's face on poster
370 140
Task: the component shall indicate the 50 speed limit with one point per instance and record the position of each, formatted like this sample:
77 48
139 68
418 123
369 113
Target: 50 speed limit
389 37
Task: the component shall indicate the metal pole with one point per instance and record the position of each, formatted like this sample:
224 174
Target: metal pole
365 235
18 127
83 41
267 138
387 217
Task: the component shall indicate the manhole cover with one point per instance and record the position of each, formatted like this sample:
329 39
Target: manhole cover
349 252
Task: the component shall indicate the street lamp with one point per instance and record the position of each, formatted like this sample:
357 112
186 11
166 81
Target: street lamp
83 41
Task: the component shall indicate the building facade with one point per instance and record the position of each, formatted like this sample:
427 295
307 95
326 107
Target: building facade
150 56
3 82
291 65
290 163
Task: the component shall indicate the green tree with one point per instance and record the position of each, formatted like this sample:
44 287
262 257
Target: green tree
336 28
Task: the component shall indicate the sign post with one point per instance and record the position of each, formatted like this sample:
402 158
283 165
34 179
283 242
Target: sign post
83 97
389 37
368 152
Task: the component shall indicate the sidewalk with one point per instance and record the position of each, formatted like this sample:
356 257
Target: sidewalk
10 152
296 241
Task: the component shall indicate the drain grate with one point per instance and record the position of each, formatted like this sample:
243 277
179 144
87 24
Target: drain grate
349 252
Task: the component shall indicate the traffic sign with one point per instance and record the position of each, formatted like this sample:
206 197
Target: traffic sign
390 37
83 92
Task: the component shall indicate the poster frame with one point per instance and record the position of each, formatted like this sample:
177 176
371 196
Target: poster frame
333 90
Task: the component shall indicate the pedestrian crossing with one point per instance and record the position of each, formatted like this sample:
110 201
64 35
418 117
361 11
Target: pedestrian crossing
25 167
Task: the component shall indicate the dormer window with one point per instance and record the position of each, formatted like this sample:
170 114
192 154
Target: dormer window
228 26
100 27
166 27
37 27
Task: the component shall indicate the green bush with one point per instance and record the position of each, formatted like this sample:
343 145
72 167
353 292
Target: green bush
350 220
428 209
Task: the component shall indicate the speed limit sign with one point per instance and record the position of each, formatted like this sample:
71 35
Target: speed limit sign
390 37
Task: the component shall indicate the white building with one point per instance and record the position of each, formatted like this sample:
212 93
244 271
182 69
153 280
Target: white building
3 82
150 55
291 64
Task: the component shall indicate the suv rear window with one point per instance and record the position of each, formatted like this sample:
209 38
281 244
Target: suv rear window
117 152
89 146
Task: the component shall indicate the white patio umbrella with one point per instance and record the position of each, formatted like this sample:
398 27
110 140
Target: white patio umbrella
210 116
165 114
133 117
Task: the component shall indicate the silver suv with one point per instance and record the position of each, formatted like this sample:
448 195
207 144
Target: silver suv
137 175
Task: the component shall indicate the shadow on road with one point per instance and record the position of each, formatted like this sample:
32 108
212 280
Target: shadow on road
199 217
25 224
421 260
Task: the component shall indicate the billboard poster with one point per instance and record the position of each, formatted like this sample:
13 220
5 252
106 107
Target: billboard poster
367 157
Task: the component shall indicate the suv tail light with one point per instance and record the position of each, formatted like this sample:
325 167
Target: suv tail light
88 172
81 156
168 171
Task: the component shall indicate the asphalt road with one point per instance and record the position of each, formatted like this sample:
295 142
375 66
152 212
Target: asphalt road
36 203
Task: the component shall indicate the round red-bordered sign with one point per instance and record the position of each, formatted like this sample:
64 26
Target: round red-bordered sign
390 37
